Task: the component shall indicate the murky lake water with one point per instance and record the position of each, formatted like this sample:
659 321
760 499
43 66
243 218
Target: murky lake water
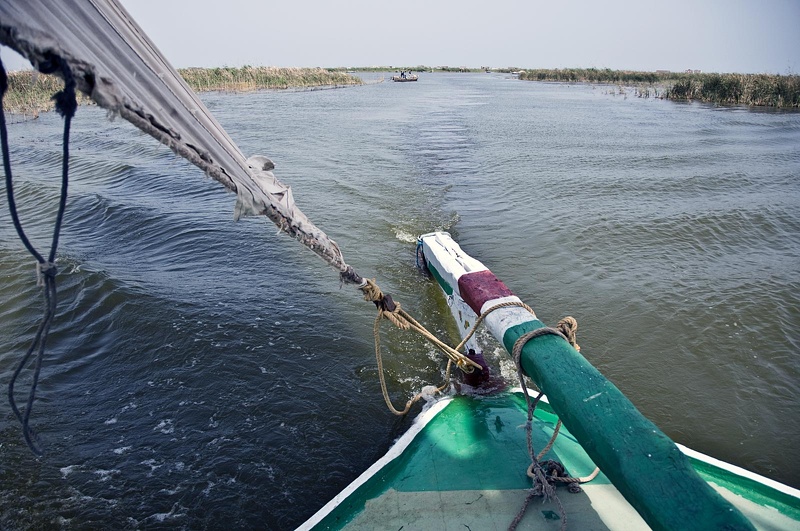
203 373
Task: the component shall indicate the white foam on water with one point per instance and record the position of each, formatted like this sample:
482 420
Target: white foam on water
152 464
165 426
67 470
404 236
105 475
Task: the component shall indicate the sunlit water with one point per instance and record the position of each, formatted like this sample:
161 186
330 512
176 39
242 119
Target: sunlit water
203 373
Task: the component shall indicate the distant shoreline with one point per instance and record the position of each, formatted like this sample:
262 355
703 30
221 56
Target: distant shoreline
30 93
758 90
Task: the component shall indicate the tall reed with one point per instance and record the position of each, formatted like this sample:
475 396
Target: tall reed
262 77
30 93
591 75
725 89
743 89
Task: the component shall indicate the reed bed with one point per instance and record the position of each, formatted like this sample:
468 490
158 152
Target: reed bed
30 93
767 90
592 75
250 78
739 89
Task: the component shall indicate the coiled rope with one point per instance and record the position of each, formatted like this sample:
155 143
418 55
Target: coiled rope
66 105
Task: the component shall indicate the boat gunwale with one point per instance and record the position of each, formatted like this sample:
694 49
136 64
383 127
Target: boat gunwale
395 450
733 473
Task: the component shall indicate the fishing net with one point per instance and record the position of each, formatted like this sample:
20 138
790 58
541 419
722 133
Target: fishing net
116 65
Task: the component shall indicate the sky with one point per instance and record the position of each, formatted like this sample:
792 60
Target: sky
746 36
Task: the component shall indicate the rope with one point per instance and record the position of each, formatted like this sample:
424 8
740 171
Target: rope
393 312
483 316
541 487
552 441
66 105
544 473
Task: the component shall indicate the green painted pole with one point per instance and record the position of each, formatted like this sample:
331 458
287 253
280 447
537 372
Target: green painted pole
640 460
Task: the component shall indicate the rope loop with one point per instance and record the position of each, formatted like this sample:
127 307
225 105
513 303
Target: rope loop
516 352
568 326
392 311
45 270
66 104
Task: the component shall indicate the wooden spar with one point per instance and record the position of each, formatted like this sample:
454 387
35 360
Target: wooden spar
643 463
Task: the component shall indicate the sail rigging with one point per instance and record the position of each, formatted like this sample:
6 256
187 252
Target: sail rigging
119 68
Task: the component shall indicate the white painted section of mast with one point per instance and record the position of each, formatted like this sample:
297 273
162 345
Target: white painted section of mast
447 257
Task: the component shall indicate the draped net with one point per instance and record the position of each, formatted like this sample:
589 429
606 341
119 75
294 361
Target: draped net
118 67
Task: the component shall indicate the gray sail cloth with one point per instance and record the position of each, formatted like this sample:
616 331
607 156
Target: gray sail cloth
117 65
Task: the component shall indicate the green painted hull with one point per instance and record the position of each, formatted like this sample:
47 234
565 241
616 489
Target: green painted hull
467 465
463 464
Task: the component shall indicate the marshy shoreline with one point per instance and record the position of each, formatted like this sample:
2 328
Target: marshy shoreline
756 90
30 93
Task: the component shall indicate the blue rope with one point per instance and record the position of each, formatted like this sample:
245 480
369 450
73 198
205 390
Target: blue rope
66 105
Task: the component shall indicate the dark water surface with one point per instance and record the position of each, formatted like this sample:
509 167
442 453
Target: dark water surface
207 374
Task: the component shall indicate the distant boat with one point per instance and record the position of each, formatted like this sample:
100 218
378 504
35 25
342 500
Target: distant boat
405 78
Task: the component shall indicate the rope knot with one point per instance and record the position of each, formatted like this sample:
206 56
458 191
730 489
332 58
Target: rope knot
370 290
387 308
45 269
65 100
466 365
569 327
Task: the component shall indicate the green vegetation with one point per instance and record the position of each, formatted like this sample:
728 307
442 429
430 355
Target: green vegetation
724 89
30 93
250 78
407 68
740 89
593 75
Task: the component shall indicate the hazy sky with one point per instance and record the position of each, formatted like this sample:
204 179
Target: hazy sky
710 35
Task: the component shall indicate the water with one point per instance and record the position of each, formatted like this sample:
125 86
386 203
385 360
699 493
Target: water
203 373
